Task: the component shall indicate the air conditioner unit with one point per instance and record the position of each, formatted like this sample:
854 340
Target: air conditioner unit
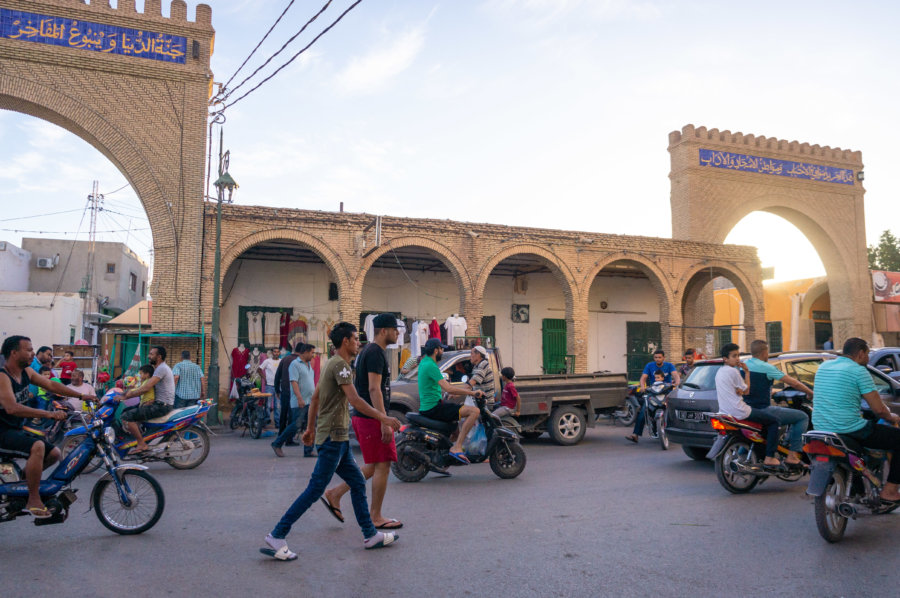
46 262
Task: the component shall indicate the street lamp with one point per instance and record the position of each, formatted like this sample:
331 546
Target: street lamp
222 183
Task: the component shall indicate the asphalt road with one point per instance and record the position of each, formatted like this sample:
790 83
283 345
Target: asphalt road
604 518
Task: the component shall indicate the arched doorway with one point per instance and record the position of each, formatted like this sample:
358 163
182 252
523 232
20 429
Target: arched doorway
528 295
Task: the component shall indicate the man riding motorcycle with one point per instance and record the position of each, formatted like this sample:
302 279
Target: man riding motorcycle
15 378
432 384
839 387
762 375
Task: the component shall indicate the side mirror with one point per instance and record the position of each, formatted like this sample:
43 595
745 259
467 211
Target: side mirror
884 369
464 379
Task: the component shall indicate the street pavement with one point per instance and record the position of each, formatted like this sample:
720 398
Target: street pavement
603 518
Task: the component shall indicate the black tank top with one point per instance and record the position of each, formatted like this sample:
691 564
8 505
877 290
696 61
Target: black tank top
22 395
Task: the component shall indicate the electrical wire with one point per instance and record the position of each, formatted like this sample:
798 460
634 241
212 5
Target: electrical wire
295 56
62 232
227 93
252 52
38 215
117 190
62 276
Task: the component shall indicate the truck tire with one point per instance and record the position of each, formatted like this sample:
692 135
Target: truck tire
567 425
400 415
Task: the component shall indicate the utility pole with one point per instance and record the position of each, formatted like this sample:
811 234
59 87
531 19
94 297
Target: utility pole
95 200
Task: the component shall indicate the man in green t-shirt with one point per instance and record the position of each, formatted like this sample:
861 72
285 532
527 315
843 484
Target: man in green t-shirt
330 405
432 384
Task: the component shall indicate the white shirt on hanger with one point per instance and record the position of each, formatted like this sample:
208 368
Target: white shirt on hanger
401 329
369 327
456 326
254 327
418 337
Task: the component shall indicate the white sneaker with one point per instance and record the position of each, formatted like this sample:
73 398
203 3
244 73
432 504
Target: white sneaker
380 540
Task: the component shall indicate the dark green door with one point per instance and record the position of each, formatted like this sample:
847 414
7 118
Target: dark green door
642 339
554 337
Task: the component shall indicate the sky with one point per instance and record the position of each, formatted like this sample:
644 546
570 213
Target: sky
545 113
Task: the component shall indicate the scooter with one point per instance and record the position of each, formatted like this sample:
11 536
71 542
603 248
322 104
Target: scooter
654 400
251 408
740 449
127 499
845 481
180 438
630 409
424 444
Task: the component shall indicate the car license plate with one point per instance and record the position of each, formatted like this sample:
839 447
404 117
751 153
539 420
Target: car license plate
697 416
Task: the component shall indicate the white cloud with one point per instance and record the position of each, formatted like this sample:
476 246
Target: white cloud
372 72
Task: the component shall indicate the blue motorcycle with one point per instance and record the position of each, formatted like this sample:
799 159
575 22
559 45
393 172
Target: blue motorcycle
127 499
180 438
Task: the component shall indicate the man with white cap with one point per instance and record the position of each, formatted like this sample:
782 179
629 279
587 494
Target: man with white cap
482 372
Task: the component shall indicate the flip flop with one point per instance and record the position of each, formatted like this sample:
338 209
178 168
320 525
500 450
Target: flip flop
39 513
632 438
333 510
461 457
390 524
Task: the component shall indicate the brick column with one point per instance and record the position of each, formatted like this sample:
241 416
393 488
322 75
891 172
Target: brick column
577 321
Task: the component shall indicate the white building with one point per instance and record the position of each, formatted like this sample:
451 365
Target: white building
46 318
14 267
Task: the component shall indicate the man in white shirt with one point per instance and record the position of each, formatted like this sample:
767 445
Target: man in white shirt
730 388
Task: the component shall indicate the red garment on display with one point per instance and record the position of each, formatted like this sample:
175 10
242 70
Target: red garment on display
283 335
316 366
434 329
239 361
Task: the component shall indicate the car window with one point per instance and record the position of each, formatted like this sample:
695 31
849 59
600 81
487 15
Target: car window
702 377
885 360
459 368
804 371
881 385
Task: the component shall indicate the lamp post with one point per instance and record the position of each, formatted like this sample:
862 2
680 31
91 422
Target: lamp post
222 183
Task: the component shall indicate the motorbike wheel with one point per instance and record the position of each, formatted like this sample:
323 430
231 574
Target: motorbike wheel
732 481
628 414
507 460
145 510
235 419
830 523
257 423
69 445
697 453
661 429
408 468
200 440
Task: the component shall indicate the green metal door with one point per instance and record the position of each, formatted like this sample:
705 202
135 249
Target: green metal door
554 339
642 339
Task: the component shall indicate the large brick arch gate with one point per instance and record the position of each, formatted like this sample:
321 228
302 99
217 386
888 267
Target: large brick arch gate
720 177
146 114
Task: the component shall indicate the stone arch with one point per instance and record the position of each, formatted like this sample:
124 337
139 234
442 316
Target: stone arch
452 261
657 277
709 200
311 242
559 268
150 121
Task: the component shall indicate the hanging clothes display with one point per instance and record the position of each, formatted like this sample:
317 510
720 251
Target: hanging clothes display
272 329
456 327
298 331
418 336
239 358
401 334
369 327
254 327
434 329
283 328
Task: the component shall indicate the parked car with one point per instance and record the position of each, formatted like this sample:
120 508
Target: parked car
564 405
886 359
688 425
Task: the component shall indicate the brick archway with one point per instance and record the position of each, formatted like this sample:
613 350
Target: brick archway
719 177
149 121
454 264
314 244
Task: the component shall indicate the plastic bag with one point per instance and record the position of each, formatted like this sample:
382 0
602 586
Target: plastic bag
476 440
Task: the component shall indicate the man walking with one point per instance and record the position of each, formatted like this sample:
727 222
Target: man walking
376 440
282 384
329 419
189 382
302 387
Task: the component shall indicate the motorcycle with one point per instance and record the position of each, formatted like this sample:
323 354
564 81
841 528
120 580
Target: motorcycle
740 449
180 438
127 499
251 409
630 409
53 430
654 398
424 444
845 481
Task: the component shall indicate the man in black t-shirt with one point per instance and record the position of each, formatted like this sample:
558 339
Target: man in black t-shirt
376 440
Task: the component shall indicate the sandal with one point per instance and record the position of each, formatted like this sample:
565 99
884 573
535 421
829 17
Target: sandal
461 457
390 524
632 437
333 510
39 512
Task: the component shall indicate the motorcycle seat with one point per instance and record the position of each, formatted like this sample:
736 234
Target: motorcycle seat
5 454
432 424
744 422
174 414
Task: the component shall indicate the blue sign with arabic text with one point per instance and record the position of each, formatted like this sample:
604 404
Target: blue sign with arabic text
797 170
108 39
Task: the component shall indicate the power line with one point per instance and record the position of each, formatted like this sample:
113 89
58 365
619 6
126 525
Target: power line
62 276
280 50
38 215
62 232
252 52
117 190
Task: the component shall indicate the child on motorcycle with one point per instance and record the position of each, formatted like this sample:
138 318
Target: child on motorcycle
510 403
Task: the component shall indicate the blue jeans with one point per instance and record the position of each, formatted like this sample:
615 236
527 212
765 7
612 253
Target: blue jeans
334 458
297 421
796 419
274 403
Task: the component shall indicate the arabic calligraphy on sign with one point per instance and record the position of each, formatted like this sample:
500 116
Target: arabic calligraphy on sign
797 170
108 39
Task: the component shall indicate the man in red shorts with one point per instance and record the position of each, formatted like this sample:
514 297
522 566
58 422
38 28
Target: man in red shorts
373 384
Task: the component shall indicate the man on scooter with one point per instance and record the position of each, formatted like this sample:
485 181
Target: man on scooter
840 385
659 365
762 374
14 394
432 384
730 386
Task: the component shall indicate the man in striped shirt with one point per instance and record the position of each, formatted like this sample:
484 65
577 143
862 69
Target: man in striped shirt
839 387
188 381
